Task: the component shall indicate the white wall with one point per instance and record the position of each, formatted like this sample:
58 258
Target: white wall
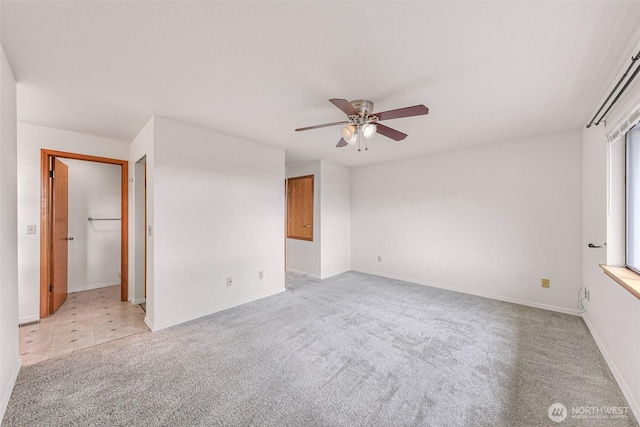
330 251
613 313
492 220
218 213
9 361
335 217
31 139
94 252
304 256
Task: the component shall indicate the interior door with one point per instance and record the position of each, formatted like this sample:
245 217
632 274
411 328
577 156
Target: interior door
300 208
59 235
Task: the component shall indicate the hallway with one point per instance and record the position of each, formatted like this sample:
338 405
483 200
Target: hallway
86 319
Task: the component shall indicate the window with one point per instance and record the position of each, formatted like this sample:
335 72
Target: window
300 208
633 199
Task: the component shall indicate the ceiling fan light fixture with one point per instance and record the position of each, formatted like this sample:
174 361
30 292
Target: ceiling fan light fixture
348 132
369 130
353 139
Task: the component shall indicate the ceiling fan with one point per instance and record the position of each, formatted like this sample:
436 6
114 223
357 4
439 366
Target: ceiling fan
362 122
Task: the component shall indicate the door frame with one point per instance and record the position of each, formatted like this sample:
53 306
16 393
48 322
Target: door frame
46 157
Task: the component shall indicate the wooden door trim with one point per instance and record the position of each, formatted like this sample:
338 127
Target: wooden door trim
45 221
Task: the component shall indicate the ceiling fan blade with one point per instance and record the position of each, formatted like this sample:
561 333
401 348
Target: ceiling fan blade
342 143
416 110
390 133
344 105
320 126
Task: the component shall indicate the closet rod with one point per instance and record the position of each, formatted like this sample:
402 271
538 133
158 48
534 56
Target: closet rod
103 219
633 61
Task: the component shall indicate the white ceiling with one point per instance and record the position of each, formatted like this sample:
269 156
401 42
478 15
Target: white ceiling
488 71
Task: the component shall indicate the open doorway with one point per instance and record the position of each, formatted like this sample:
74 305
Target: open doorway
84 286
94 225
54 243
140 221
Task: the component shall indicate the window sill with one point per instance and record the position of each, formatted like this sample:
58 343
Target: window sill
629 279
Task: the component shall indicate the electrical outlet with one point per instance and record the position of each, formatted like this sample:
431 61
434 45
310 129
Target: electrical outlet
545 283
229 281
31 229
379 258
260 274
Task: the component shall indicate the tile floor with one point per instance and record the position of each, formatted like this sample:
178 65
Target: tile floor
86 319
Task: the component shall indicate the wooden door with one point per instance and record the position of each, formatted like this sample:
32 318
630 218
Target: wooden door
300 208
59 235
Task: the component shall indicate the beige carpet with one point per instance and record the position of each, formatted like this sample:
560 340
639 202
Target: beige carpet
354 350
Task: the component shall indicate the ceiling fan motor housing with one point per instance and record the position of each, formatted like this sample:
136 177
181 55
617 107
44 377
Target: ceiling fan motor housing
363 107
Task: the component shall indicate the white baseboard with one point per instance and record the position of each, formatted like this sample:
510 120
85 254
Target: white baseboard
8 388
28 319
137 301
96 286
209 311
303 273
334 274
149 323
633 404
476 293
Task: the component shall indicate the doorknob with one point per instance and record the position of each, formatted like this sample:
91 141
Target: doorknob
69 238
308 225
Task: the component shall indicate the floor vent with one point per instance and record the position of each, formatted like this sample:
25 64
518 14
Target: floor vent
35 322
